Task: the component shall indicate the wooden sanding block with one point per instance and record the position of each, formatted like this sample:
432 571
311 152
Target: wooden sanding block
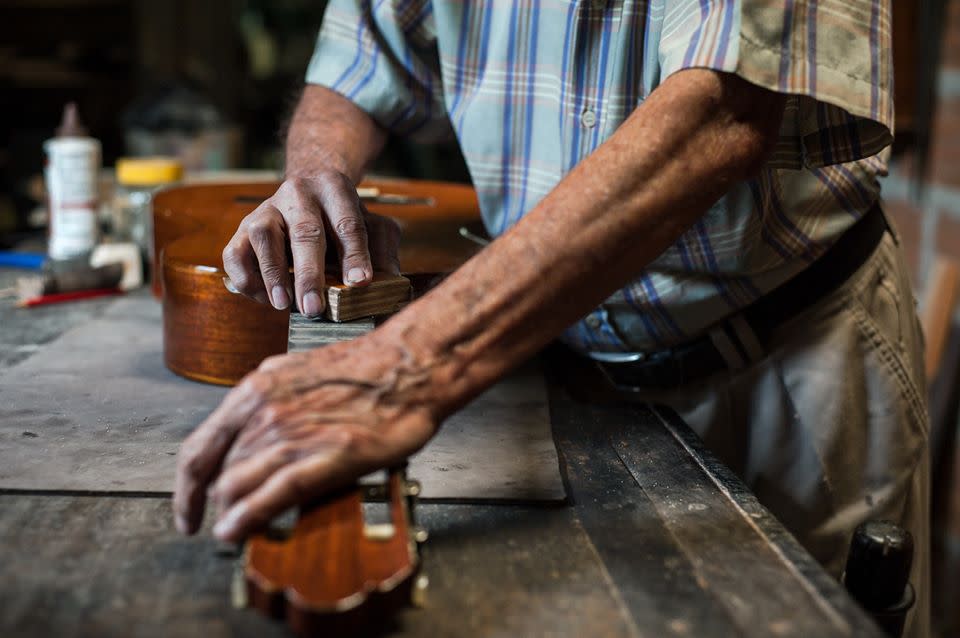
386 294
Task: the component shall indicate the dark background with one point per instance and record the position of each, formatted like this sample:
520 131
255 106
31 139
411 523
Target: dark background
244 58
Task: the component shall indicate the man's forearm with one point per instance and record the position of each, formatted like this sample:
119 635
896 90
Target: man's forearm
328 131
694 137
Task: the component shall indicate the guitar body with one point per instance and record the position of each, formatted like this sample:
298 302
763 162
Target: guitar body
215 336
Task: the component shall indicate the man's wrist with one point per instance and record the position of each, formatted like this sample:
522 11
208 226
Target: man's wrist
321 163
328 131
429 374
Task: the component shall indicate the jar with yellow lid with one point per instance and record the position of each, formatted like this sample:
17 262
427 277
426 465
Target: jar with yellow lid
138 178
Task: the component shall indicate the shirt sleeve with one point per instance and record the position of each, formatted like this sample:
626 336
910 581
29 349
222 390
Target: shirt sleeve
383 57
832 57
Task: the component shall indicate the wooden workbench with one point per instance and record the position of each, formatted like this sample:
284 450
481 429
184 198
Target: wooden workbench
658 539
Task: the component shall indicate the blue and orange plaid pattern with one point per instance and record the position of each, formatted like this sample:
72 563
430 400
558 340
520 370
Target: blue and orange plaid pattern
531 88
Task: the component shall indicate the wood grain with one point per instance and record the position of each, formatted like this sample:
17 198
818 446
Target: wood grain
386 294
332 576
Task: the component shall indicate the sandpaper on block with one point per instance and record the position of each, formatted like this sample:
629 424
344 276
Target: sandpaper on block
386 294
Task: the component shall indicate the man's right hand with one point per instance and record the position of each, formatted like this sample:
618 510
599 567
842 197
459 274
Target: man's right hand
297 224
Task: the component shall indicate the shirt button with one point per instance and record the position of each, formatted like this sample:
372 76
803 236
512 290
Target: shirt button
588 118
593 321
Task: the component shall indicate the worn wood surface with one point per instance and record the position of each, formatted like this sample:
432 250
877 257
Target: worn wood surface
656 539
683 552
97 410
113 566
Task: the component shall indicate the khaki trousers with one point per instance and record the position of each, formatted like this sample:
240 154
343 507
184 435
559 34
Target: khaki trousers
829 428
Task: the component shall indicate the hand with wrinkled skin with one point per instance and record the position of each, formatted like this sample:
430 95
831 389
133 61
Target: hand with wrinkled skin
300 425
300 219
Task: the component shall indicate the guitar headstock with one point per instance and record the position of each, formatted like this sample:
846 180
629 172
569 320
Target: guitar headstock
335 572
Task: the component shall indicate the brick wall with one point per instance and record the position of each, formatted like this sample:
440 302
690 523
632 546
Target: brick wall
930 224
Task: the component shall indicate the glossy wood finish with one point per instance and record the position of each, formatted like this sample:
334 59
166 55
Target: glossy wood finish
335 575
181 211
431 240
215 336
210 334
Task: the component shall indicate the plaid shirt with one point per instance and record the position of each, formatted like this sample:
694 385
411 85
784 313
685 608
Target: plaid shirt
531 88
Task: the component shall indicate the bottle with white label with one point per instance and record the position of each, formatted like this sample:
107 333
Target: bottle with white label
72 176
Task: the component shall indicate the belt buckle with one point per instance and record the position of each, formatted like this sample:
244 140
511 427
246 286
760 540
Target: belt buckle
660 359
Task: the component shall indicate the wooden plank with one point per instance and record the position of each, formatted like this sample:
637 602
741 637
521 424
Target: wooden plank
714 561
654 578
719 537
113 566
59 431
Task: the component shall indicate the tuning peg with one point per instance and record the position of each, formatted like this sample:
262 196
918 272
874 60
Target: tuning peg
420 535
375 492
238 588
411 488
418 595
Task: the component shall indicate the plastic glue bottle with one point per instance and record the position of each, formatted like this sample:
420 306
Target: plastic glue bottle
72 175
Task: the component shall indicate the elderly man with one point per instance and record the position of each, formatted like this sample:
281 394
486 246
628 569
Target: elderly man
684 191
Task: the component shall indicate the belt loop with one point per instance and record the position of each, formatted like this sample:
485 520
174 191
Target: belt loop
727 349
610 328
748 338
891 228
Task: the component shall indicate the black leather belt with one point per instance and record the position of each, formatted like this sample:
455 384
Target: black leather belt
701 357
